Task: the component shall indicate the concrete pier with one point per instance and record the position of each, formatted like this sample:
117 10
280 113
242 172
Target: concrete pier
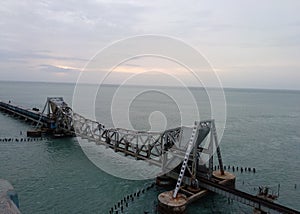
227 179
169 205
188 194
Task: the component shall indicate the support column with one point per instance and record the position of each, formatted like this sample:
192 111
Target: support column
214 132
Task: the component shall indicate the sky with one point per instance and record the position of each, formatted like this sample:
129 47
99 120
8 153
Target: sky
249 43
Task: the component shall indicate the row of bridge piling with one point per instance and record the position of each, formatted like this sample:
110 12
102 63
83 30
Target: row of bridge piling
236 168
125 202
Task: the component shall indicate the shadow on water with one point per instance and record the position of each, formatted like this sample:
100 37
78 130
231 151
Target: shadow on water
58 144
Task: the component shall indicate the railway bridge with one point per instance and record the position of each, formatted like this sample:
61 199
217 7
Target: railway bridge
177 151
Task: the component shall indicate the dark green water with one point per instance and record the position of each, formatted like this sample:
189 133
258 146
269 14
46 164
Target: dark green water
55 176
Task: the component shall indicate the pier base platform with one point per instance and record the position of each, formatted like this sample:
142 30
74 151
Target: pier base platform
169 205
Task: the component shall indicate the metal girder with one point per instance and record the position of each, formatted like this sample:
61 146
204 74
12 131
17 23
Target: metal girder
164 149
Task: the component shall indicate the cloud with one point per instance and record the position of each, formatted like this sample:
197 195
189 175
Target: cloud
132 65
54 33
6 55
58 69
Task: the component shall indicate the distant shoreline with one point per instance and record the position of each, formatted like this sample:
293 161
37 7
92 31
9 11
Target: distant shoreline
165 86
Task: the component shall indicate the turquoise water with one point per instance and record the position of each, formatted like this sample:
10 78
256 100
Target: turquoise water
55 176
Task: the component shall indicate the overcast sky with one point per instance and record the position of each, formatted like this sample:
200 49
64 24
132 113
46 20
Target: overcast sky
251 43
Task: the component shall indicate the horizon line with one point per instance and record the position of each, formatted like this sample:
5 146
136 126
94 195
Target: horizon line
164 86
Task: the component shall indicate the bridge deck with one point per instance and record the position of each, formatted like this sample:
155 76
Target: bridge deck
28 114
245 198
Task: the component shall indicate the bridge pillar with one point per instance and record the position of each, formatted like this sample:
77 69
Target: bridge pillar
225 178
169 205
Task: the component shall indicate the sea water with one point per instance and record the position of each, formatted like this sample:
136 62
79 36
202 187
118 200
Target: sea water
55 176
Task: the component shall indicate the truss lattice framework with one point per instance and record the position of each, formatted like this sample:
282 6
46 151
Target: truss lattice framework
161 148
